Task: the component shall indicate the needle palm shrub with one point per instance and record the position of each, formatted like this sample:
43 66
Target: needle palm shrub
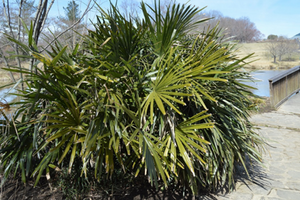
139 96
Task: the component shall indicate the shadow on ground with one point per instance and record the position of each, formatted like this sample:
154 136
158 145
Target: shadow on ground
15 189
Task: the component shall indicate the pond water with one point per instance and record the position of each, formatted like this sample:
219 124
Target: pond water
8 98
262 83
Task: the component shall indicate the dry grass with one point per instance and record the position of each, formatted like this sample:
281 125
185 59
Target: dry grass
261 58
5 78
4 75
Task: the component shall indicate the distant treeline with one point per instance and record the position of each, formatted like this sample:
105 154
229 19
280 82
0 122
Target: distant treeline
241 29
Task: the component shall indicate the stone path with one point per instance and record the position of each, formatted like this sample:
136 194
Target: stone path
280 179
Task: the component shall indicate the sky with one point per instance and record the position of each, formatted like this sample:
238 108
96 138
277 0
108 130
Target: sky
279 17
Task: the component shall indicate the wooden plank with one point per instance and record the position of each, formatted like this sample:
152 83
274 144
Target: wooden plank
284 74
283 85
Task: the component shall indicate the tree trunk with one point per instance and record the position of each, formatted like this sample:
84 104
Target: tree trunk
16 45
39 22
274 59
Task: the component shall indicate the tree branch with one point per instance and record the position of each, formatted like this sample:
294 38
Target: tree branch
18 38
37 14
7 16
40 18
73 25
7 65
46 15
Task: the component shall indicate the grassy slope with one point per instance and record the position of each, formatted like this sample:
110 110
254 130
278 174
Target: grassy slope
262 59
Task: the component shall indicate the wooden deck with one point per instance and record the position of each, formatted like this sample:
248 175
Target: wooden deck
284 85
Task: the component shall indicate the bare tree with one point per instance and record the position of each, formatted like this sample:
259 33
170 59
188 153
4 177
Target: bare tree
130 8
272 49
293 46
13 28
280 47
242 29
14 17
163 6
69 25
214 17
72 15
286 47
7 13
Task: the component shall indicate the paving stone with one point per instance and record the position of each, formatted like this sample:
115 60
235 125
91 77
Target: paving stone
273 198
278 184
256 197
243 196
293 185
292 164
255 189
222 198
275 177
295 175
281 175
273 193
277 170
276 119
288 194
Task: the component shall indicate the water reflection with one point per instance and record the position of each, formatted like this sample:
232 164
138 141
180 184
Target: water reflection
7 97
262 83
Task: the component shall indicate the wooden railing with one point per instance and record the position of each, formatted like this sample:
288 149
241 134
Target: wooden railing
284 85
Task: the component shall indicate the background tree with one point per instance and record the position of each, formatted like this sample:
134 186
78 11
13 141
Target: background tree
281 46
241 29
164 4
72 12
272 48
20 14
72 15
27 12
272 37
293 46
244 30
129 8
14 28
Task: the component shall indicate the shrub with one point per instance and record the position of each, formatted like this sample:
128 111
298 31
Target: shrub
289 59
139 97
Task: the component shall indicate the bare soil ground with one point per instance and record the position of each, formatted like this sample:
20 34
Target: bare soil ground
14 189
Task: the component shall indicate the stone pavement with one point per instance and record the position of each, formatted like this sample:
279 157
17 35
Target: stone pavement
280 178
